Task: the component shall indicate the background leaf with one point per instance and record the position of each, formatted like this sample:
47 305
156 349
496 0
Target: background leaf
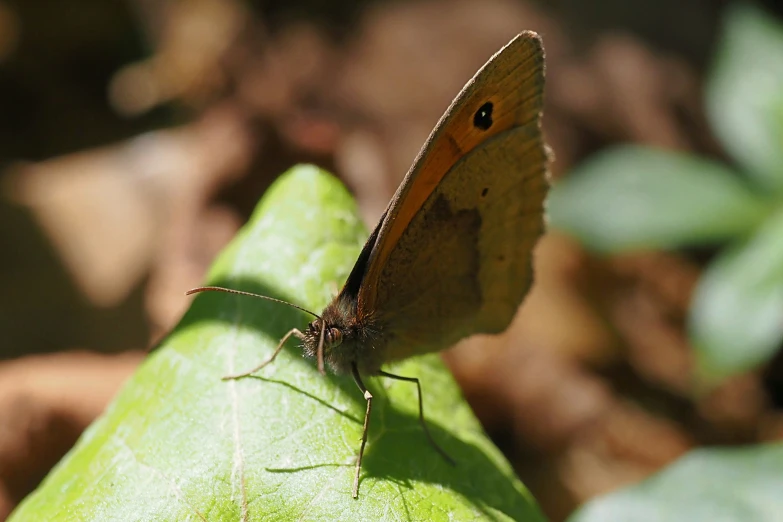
636 197
712 485
178 443
737 311
744 93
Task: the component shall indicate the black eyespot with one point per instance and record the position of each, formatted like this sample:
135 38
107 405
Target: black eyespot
484 192
483 117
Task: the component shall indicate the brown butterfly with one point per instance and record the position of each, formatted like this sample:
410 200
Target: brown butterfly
452 253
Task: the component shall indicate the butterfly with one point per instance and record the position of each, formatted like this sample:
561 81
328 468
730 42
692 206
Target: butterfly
452 254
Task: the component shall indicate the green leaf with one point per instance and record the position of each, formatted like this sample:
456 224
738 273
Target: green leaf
744 93
736 317
706 485
634 197
178 443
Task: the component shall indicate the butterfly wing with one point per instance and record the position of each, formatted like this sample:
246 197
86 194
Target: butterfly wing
452 255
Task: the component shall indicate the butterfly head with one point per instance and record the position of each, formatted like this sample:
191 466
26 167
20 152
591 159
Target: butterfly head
322 338
332 335
341 337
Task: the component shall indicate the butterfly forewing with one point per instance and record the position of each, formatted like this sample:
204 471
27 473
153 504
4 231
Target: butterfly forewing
454 251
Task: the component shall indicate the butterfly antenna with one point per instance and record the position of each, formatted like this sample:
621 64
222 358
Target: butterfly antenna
200 289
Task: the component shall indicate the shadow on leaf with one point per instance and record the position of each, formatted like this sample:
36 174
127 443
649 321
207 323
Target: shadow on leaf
397 450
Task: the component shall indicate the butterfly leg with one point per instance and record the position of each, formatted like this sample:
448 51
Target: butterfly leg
368 397
421 414
294 332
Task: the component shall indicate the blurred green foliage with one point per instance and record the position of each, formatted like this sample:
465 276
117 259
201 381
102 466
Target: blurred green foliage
633 197
715 485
